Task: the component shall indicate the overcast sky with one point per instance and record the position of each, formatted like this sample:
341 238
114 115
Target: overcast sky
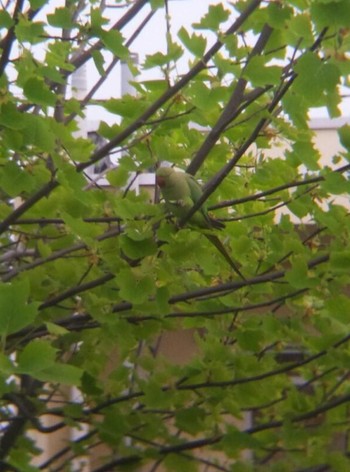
152 39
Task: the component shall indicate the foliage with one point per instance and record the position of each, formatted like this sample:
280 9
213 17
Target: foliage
95 281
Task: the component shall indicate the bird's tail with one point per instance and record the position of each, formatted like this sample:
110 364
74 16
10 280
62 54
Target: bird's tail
216 224
220 247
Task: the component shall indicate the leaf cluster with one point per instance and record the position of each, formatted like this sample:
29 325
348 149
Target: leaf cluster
102 291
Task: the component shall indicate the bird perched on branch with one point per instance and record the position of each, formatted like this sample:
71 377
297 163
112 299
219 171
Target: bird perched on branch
181 191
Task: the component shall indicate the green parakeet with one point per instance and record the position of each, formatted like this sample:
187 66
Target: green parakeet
180 192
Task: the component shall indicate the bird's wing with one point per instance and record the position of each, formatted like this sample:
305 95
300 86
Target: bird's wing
196 193
194 188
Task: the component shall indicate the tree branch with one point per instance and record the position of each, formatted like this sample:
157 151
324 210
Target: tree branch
257 196
58 254
44 191
230 111
58 221
82 58
79 321
27 409
109 69
226 169
71 292
103 151
7 42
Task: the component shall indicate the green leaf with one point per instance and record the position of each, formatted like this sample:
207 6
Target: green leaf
29 31
333 102
6 20
234 441
38 92
64 374
152 321
97 20
57 56
56 329
79 150
250 339
37 3
196 44
338 462
128 106
99 61
260 74
39 133
279 14
175 462
10 116
136 249
134 285
90 385
216 15
160 59
155 4
13 139
300 29
38 359
338 307
113 427
52 74
118 177
6 366
162 299
155 60
190 419
14 180
61 18
314 77
20 460
296 108
298 207
335 183
114 40
297 276
16 311
305 153
205 97
76 224
333 13
340 261
154 396
36 356
344 136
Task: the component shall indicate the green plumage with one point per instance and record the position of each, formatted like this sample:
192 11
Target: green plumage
180 192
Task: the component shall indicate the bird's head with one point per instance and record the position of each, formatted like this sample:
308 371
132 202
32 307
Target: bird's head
162 175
